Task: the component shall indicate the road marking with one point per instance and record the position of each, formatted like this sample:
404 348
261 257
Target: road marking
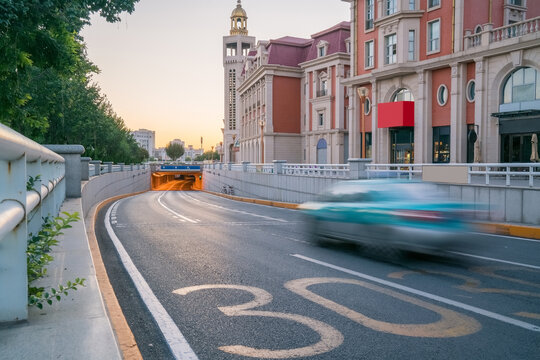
175 340
174 212
292 239
230 210
491 271
528 315
441 299
495 260
450 324
509 237
330 337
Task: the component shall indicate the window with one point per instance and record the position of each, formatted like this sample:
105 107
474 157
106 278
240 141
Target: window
370 12
348 45
441 144
324 87
390 49
442 95
369 54
321 119
412 46
434 3
403 95
231 49
522 85
434 35
368 145
390 7
322 48
321 52
232 99
412 5
471 91
516 2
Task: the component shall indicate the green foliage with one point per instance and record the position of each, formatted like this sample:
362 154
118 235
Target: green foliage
174 150
32 182
37 255
209 155
46 91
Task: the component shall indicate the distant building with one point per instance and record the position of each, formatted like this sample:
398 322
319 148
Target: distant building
161 154
146 139
191 153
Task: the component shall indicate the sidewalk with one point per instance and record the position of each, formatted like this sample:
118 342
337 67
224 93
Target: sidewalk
77 327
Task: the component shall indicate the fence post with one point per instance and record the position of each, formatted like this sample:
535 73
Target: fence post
97 167
358 168
229 166
13 277
85 168
244 166
72 155
278 166
109 166
121 166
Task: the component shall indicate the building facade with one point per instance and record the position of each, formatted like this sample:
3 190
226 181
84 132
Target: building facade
292 100
444 80
236 47
146 139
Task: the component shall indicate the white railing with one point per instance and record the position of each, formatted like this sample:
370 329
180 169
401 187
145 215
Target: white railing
317 170
517 174
515 30
489 36
237 167
260 168
400 171
22 210
505 174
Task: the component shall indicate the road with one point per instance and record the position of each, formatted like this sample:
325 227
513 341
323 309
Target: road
238 281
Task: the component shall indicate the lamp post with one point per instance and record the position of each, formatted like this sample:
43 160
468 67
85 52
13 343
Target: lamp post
221 151
262 123
212 153
362 93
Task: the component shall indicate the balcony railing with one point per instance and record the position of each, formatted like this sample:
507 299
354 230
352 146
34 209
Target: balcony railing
489 36
321 93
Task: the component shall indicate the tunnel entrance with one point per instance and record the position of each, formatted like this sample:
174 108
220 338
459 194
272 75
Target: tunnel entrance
176 181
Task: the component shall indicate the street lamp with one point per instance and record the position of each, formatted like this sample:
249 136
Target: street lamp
362 93
212 153
262 123
221 151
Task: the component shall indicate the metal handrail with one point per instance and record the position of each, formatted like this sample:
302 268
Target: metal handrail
14 145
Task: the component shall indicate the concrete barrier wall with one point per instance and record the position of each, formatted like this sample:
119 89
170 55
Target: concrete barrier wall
283 188
502 204
102 187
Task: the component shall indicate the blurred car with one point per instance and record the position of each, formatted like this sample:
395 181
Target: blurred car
406 215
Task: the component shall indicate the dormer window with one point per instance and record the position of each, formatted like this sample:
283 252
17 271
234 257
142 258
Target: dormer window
348 45
322 48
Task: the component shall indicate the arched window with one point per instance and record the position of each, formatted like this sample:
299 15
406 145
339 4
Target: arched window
522 85
403 95
321 151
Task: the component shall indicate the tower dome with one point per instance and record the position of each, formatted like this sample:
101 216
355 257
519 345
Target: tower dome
239 20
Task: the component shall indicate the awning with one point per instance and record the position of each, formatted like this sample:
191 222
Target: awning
518 122
395 114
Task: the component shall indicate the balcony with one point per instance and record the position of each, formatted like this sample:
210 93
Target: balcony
321 93
490 36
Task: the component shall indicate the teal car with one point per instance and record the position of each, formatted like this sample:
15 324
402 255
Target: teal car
406 215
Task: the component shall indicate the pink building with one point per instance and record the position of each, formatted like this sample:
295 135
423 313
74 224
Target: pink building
292 101
438 74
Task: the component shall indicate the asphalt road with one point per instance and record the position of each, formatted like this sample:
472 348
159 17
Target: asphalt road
240 281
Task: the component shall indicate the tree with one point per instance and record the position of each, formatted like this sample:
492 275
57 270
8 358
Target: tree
209 155
174 150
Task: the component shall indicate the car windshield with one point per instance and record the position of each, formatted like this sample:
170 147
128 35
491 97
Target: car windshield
369 192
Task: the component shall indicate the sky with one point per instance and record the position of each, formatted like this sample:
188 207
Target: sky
162 66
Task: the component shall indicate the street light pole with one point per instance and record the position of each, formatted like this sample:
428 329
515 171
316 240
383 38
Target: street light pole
362 93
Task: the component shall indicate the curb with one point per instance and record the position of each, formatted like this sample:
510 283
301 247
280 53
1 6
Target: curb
126 340
529 232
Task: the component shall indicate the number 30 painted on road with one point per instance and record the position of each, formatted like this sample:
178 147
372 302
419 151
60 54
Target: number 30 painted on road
330 337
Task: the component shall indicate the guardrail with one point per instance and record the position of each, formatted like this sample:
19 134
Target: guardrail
503 174
22 210
500 174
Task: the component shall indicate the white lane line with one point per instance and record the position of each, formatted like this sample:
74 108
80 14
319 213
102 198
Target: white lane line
441 299
509 237
229 209
496 260
176 341
174 212
291 239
